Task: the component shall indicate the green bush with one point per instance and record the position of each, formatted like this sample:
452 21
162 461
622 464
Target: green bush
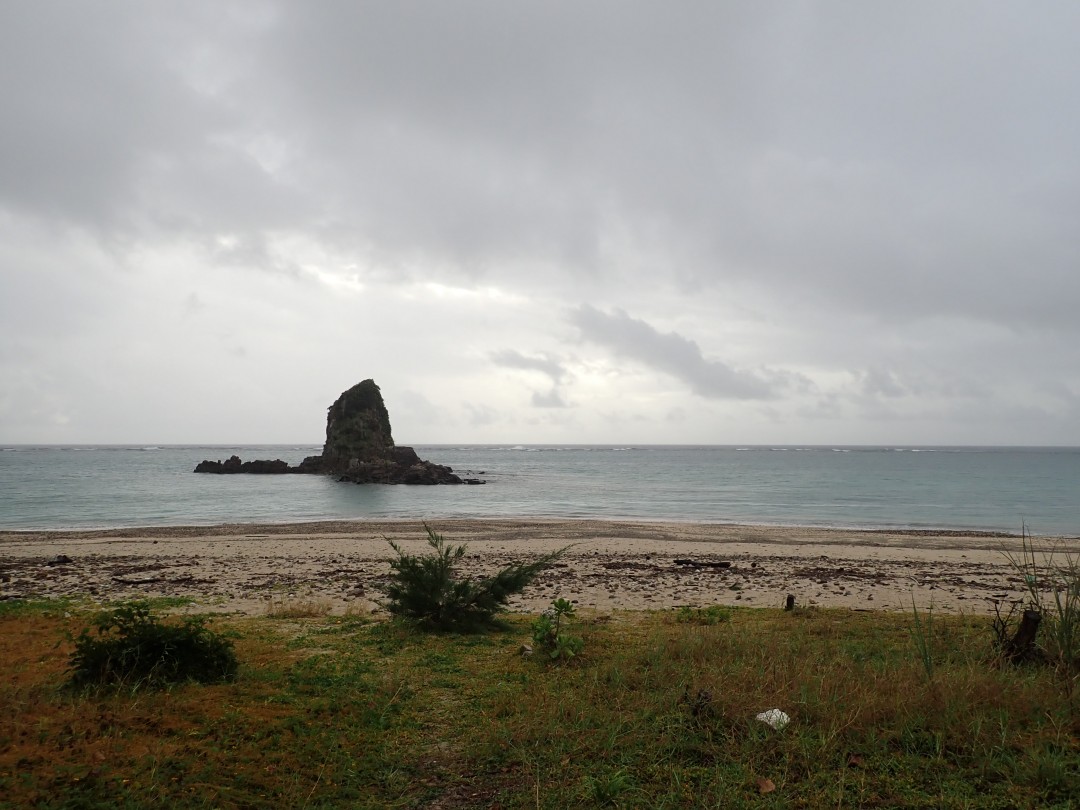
129 646
425 589
549 635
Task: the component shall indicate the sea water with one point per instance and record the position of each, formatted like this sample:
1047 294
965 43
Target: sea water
986 488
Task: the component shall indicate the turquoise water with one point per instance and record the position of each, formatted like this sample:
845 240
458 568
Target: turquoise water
950 488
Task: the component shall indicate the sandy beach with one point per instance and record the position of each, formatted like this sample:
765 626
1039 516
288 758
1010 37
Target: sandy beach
611 565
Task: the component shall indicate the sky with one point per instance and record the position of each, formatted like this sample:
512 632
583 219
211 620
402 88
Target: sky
561 222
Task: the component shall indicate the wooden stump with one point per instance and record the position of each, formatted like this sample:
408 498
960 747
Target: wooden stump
1021 647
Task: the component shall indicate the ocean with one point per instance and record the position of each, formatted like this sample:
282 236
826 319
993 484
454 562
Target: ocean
983 488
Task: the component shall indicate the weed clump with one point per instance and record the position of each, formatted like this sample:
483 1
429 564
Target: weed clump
1053 594
549 635
427 590
922 636
131 647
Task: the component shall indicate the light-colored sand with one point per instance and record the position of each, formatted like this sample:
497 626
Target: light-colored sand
612 565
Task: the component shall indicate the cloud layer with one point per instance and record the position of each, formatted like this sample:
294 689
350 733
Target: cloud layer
671 353
562 222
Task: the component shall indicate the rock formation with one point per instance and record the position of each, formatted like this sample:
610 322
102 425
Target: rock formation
357 430
234 465
359 447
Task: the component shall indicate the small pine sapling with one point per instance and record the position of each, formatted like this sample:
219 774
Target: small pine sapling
426 589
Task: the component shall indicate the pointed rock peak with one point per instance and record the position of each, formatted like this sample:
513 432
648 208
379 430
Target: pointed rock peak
358 426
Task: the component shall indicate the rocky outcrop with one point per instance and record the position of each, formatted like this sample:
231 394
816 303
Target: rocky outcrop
358 427
390 472
359 448
234 465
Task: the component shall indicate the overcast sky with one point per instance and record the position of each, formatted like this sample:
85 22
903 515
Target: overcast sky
557 222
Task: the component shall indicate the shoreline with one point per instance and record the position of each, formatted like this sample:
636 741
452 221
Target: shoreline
611 565
291 526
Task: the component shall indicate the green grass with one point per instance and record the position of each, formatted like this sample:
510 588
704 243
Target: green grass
61 605
657 711
713 614
14 608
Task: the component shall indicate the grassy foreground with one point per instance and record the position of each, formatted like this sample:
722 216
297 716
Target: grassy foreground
657 711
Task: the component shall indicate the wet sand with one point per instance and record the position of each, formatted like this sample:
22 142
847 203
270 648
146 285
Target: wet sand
611 565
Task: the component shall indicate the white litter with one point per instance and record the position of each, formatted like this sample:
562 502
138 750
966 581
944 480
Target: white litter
774 718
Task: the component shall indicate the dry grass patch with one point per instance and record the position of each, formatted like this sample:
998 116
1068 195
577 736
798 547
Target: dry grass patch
288 608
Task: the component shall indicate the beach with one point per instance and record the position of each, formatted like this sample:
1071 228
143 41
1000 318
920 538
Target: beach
253 569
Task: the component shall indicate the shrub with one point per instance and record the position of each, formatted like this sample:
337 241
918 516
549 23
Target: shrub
129 646
548 632
425 588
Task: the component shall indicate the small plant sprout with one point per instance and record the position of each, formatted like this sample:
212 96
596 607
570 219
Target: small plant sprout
605 791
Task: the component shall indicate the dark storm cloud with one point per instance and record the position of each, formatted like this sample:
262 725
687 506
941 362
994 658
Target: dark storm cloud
670 353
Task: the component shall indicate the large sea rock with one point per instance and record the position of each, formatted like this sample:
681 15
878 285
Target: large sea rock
359 447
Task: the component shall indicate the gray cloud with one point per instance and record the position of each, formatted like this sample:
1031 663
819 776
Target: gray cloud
880 382
894 161
480 415
670 353
549 367
552 399
509 358
884 188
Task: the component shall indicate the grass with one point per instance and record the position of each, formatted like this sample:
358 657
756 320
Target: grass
1052 580
713 614
922 636
292 608
657 711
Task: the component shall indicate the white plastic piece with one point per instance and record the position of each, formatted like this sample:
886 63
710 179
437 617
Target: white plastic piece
774 718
